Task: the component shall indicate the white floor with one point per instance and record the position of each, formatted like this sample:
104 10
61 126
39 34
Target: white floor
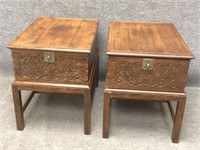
55 121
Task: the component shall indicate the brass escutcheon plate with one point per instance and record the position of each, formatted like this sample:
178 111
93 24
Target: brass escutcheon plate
148 64
49 57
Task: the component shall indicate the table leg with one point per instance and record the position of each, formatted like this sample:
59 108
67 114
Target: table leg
87 112
18 108
97 74
178 120
106 115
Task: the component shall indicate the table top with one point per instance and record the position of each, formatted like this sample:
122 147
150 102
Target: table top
146 40
62 34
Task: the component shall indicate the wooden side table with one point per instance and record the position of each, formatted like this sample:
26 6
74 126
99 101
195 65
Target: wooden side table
57 55
146 61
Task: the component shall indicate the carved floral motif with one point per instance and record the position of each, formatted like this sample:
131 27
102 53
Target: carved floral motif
67 68
132 74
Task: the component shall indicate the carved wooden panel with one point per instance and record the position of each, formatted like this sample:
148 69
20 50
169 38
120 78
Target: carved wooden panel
67 68
128 73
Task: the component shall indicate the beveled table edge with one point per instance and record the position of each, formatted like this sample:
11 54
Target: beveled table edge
144 95
149 55
86 51
24 83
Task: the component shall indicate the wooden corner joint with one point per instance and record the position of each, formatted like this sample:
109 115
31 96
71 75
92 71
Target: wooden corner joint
28 100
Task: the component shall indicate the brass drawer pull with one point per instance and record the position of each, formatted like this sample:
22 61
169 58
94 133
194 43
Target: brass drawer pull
148 64
49 57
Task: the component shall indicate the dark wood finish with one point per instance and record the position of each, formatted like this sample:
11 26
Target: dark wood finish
97 74
178 120
166 75
129 45
171 110
74 70
146 40
18 108
87 111
145 96
58 34
67 68
106 115
41 87
28 100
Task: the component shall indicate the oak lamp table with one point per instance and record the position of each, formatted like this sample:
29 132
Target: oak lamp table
146 61
57 55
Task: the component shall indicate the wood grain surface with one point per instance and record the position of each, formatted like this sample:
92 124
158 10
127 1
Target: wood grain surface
127 73
73 68
146 39
29 65
129 46
61 34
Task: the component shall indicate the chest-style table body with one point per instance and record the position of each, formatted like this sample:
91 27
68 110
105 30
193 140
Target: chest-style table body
146 61
56 55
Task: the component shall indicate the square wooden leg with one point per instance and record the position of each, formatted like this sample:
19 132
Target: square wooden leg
178 120
87 112
106 115
97 74
18 107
